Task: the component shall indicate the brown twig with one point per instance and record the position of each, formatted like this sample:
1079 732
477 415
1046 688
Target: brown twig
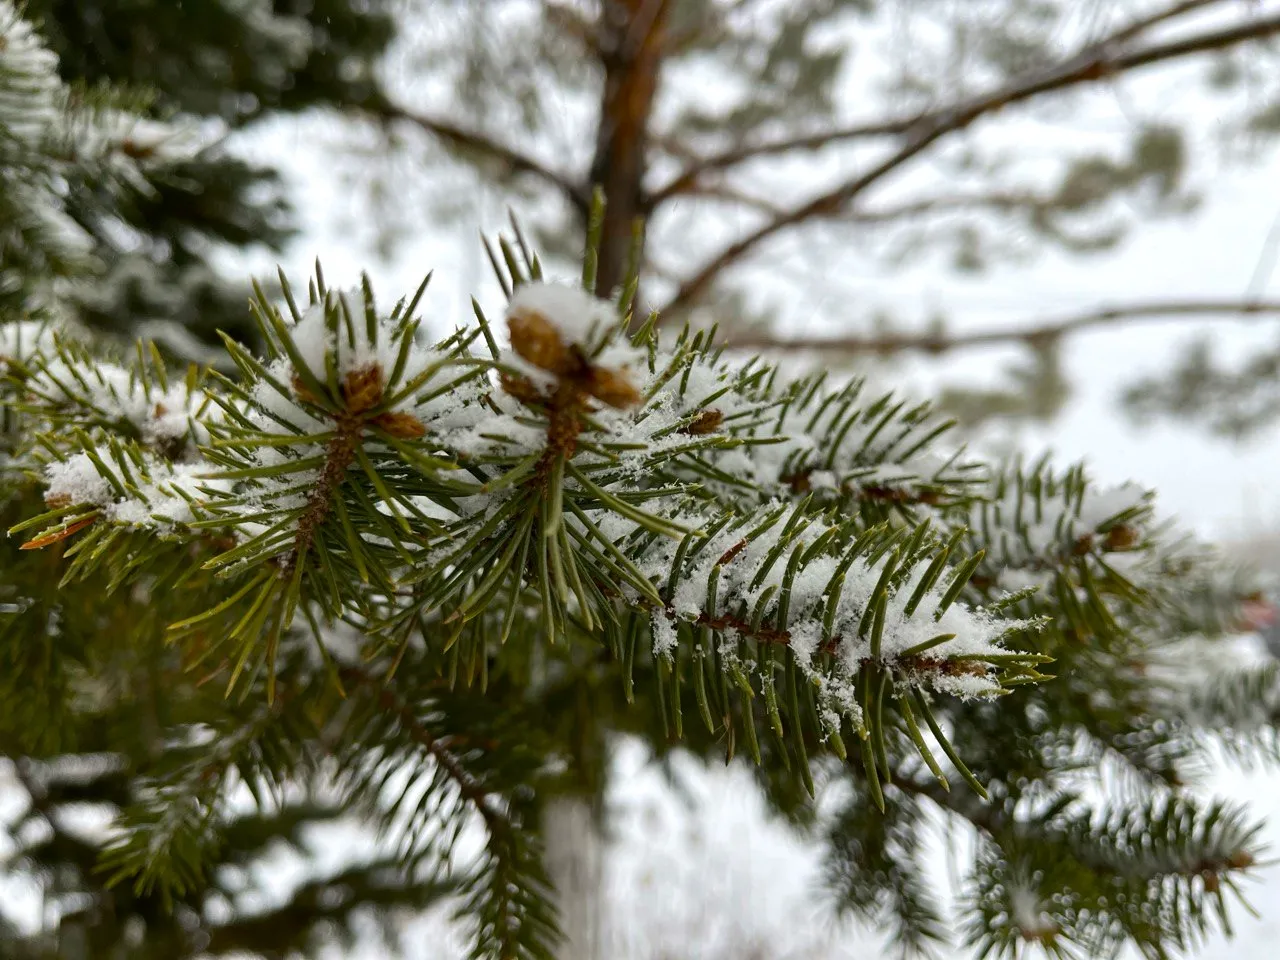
632 45
387 700
514 160
686 181
1094 63
942 343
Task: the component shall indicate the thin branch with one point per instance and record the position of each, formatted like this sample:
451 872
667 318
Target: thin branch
684 181
456 136
1143 24
1096 62
471 789
1001 200
1030 334
687 179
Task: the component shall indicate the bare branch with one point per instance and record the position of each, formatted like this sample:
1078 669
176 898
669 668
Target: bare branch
687 179
1094 63
1141 26
937 343
456 136
1001 200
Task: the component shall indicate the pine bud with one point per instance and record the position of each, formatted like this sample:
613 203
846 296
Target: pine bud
522 388
301 391
1240 860
401 425
536 339
1121 537
612 387
708 421
362 388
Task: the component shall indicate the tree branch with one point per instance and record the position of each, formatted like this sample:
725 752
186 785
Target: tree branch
1094 63
943 343
683 182
687 179
456 136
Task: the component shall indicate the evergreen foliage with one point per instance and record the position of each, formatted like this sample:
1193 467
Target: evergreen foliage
222 66
364 577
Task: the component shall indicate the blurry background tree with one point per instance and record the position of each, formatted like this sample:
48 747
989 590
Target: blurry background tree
112 220
224 66
729 127
866 133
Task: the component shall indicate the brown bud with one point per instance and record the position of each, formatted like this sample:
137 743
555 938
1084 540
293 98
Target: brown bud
522 388
536 339
401 425
300 389
708 421
56 501
362 388
1084 545
1211 882
1121 537
612 387
137 151
1240 860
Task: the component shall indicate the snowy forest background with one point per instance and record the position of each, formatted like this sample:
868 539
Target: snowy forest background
699 860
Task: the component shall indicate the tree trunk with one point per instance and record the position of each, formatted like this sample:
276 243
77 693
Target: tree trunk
630 39
574 859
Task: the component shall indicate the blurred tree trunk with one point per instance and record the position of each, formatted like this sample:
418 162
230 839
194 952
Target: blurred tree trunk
575 866
630 38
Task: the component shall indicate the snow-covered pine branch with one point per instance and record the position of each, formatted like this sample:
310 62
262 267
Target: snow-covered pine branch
620 486
55 139
785 558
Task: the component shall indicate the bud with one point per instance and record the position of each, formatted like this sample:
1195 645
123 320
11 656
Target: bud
708 421
536 339
301 391
362 388
1240 860
401 425
1121 537
612 387
522 388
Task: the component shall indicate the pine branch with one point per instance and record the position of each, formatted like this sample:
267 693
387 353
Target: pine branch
506 898
804 566
1098 61
687 181
457 137
1031 333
